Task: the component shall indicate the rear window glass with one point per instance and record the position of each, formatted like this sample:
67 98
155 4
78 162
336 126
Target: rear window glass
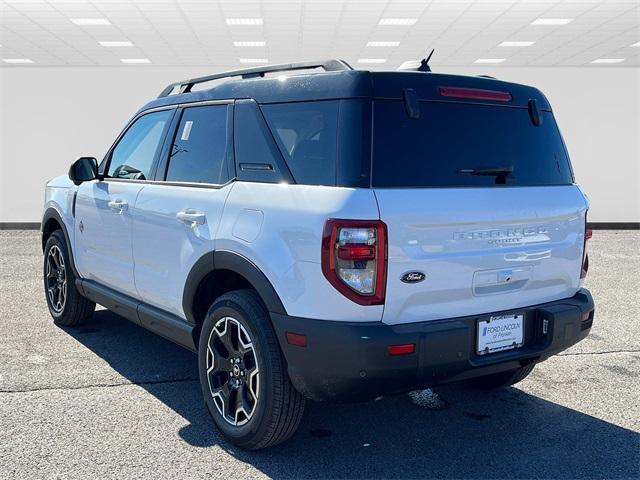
465 145
306 133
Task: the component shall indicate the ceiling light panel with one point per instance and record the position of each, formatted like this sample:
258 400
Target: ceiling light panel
552 21
253 43
372 60
254 60
516 43
245 22
23 61
397 21
135 60
116 43
87 22
490 60
608 60
383 44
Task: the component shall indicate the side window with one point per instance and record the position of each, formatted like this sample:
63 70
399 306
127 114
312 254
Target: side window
307 134
257 156
133 156
200 146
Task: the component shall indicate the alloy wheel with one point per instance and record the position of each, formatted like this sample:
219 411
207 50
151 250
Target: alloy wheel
56 274
232 371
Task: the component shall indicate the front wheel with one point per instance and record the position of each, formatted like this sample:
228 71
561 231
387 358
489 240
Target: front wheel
66 305
243 375
502 379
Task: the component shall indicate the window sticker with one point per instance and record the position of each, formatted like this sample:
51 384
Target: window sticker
186 131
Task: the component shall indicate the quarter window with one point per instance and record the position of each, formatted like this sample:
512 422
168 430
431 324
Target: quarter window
135 153
307 135
200 146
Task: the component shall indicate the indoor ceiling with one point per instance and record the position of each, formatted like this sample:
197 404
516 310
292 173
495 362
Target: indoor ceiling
369 34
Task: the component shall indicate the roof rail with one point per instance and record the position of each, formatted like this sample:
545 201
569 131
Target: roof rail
328 65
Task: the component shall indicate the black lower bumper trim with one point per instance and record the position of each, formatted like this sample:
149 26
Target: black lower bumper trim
349 360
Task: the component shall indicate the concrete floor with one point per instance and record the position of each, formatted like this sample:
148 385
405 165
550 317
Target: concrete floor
111 400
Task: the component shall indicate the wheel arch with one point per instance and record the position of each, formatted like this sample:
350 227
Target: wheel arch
52 221
236 271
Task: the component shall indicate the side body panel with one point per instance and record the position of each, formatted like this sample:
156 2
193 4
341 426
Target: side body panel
279 228
104 219
166 248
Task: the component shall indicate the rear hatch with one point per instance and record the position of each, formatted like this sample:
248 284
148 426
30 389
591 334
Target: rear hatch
477 194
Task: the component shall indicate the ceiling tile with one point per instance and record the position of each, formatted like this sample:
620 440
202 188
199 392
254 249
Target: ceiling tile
194 32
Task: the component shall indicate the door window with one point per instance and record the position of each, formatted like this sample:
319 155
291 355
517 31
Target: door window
200 146
135 153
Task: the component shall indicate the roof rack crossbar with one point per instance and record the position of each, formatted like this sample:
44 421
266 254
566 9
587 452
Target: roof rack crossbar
186 85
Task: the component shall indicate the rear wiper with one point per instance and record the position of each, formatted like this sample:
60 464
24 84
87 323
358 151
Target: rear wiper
499 172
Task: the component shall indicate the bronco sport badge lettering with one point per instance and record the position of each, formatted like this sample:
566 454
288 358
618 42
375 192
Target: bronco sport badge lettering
501 236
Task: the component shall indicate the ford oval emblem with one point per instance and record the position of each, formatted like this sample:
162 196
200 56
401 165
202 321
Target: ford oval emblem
413 277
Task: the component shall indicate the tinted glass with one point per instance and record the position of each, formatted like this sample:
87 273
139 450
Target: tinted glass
136 151
306 133
456 144
200 146
257 156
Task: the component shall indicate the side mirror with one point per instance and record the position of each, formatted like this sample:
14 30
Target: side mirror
83 170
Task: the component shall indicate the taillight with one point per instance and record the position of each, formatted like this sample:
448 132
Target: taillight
588 233
354 258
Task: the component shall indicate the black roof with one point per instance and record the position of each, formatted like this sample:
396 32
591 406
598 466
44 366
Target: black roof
343 84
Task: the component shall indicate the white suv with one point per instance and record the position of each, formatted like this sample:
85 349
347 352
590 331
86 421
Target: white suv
335 235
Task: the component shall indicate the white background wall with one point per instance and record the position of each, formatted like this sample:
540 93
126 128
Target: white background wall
51 115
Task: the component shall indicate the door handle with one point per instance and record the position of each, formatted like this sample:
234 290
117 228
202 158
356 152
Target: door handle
118 206
191 217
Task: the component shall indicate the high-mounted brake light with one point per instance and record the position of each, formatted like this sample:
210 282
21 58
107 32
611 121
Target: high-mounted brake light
354 259
588 233
476 94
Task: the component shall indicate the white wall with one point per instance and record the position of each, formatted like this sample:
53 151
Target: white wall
49 116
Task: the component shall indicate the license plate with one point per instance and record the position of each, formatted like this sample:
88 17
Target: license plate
499 333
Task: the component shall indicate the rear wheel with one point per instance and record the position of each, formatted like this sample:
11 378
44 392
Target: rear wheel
66 305
243 375
502 379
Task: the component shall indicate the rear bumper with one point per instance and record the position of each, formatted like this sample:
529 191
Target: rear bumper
349 360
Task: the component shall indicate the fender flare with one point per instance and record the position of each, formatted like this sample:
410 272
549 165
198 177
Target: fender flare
52 213
227 260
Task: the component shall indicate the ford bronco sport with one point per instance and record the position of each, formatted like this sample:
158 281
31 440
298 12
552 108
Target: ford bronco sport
333 235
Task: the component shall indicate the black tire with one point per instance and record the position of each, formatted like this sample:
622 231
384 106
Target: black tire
74 309
502 379
276 411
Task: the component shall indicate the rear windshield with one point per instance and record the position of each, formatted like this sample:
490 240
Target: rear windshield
465 145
